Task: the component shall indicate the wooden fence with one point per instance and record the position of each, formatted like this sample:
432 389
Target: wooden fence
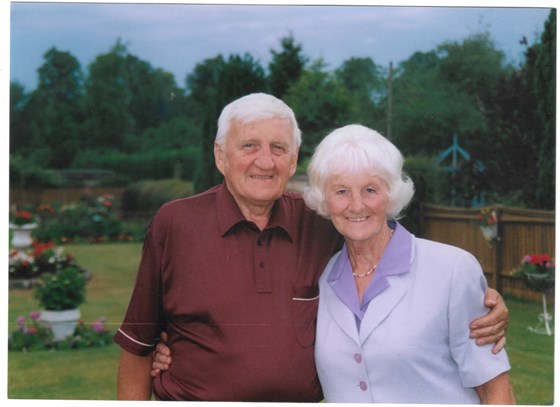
520 232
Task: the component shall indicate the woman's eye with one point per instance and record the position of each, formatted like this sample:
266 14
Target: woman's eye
370 190
340 191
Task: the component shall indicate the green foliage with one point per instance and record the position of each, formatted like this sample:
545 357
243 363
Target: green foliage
56 108
148 196
285 67
127 116
321 103
152 164
25 173
545 90
65 289
108 100
428 183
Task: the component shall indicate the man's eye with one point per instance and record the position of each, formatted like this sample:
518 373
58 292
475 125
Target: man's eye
279 149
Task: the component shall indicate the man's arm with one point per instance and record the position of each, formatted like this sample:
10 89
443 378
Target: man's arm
492 327
134 381
496 391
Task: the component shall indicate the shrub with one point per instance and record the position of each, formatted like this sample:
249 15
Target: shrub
153 164
148 196
93 219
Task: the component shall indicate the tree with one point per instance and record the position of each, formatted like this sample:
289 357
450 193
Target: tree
152 93
419 106
321 103
286 66
20 131
57 109
364 80
545 91
213 84
108 102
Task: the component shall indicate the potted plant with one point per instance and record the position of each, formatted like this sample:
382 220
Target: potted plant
22 222
60 295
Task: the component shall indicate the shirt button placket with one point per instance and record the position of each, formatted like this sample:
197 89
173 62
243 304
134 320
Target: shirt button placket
263 276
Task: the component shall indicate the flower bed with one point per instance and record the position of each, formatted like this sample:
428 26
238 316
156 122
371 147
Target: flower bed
32 334
26 265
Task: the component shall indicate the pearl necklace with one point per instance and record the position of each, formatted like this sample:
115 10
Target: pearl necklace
365 274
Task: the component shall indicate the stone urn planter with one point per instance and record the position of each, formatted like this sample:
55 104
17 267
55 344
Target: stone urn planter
21 238
60 294
62 323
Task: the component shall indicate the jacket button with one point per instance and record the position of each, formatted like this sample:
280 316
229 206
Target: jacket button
363 386
358 358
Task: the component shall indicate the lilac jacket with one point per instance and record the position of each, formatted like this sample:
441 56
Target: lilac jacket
413 344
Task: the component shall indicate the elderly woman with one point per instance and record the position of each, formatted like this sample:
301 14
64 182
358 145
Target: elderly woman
394 309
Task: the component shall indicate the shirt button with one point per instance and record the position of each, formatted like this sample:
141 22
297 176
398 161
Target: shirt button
363 386
262 264
259 243
358 358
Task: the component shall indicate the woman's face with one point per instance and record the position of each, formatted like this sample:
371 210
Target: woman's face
357 205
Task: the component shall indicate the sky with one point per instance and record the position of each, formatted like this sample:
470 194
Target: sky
176 37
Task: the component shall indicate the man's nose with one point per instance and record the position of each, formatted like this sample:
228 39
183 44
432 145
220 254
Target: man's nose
264 159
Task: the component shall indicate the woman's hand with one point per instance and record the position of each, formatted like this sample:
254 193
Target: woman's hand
162 357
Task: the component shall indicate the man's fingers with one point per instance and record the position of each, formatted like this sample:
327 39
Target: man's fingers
492 331
499 345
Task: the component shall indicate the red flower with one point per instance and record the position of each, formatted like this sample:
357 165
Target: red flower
539 259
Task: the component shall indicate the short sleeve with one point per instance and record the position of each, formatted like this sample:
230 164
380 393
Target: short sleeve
477 364
143 321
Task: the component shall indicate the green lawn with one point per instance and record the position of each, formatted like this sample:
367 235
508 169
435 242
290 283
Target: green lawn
91 374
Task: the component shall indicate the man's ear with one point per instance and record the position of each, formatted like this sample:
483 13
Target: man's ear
219 157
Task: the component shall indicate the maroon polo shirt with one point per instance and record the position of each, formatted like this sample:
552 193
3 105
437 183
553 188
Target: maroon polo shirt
239 304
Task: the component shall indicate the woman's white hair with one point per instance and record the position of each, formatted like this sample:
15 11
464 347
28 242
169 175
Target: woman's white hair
357 149
253 107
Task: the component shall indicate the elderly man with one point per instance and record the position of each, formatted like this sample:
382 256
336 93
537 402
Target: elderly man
231 275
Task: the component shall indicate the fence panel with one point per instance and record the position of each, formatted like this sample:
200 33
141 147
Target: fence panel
520 232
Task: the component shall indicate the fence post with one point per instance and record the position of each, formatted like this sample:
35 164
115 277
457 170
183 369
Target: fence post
498 264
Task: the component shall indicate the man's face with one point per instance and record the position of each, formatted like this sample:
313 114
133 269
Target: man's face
257 161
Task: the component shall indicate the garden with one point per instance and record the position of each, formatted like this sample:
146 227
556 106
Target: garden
96 273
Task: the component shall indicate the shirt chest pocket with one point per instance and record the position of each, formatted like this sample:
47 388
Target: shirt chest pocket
305 303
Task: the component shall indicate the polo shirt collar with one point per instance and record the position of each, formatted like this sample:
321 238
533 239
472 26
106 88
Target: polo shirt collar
229 214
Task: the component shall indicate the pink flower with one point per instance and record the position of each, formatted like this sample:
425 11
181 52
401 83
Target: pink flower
34 315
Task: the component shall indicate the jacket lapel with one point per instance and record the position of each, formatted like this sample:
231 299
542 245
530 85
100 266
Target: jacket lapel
342 315
382 305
